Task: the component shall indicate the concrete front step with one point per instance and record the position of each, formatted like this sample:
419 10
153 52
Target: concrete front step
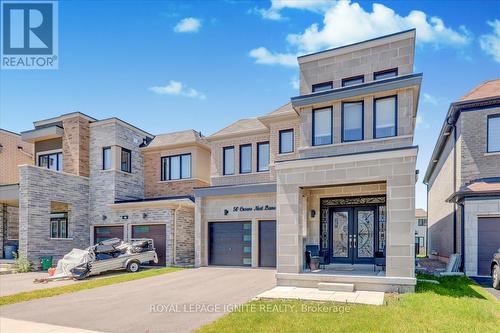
325 286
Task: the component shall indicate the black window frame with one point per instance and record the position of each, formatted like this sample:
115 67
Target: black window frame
58 220
352 78
395 116
59 167
362 121
129 162
488 133
280 151
385 71
224 171
259 144
314 123
322 84
166 175
104 159
246 145
421 222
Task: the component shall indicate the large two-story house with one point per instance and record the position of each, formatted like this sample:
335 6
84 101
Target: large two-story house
333 169
463 181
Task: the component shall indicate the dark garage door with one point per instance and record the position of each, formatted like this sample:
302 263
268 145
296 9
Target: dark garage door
157 232
267 243
230 243
107 232
488 240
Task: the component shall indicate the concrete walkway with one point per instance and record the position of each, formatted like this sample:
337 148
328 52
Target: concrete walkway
20 326
313 294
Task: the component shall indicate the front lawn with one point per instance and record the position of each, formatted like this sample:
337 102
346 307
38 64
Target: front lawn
457 304
55 291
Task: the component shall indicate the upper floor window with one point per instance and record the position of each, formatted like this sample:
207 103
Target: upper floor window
228 163
106 158
322 126
385 74
322 86
53 161
126 160
353 80
493 133
262 156
352 121
176 167
422 222
246 158
286 141
385 113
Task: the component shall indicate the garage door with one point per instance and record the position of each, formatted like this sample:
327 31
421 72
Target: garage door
267 243
230 243
157 232
107 232
488 240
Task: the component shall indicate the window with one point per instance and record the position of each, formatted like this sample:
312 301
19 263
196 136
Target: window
493 133
126 160
59 225
353 80
286 141
419 241
322 127
422 222
228 156
385 74
106 158
246 158
322 86
385 121
52 161
176 167
352 121
262 156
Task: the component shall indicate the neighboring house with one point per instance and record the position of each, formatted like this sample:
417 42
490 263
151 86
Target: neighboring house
13 152
334 168
96 179
421 232
463 181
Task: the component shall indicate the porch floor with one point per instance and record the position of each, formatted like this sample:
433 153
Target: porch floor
314 294
350 270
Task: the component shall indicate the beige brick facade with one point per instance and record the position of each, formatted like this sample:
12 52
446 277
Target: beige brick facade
13 152
75 146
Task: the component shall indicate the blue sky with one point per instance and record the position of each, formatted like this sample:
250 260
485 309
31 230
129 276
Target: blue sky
167 66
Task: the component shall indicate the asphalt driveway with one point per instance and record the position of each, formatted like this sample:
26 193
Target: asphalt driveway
176 302
486 283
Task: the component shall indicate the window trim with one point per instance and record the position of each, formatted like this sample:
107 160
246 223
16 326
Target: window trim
48 153
224 171
129 160
314 123
395 117
279 141
362 121
330 83
165 177
385 71
352 78
240 155
488 133
103 159
258 159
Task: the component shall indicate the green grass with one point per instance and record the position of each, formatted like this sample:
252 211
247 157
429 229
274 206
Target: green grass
95 283
457 304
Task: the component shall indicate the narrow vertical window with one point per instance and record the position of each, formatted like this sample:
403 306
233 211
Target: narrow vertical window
228 163
385 122
106 158
126 160
286 141
352 121
493 133
186 166
175 167
246 158
322 126
263 156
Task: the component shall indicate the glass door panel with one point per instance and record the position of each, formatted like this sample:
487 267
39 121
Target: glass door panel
365 225
340 234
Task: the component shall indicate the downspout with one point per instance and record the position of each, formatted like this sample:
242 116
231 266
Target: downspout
174 241
462 236
454 183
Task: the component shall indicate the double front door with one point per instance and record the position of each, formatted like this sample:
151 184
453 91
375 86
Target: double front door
352 234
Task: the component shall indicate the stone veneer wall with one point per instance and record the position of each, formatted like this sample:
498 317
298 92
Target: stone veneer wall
184 242
38 187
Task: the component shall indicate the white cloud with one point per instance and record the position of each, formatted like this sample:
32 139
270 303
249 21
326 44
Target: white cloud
188 24
264 56
421 123
490 43
177 88
429 99
346 22
274 12
294 82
